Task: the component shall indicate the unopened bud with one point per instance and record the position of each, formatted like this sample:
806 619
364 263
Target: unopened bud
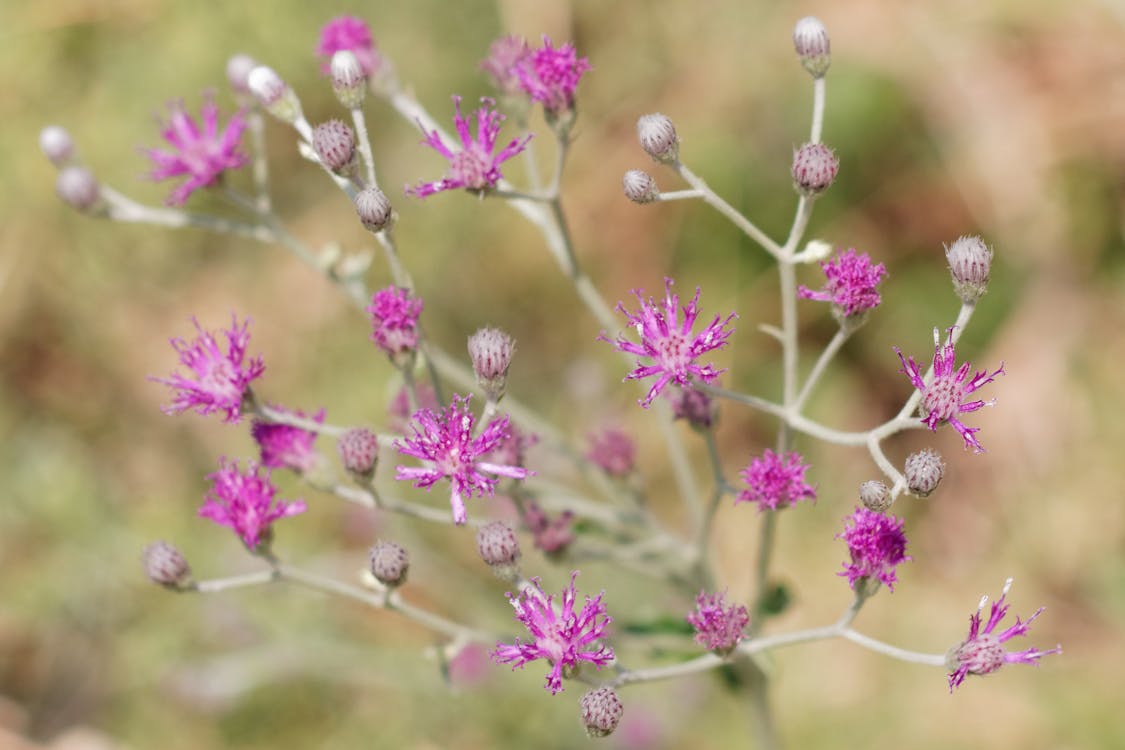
348 81
639 187
923 471
165 565
389 564
810 39
78 188
970 261
658 138
334 143
875 496
500 549
491 351
696 407
359 452
814 168
601 711
274 94
238 73
373 208
56 145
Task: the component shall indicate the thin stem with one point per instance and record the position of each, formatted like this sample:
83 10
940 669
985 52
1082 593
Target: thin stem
818 110
679 195
364 146
233 582
730 212
256 124
821 364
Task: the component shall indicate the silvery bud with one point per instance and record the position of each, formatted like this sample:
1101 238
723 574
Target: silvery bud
639 186
658 138
810 39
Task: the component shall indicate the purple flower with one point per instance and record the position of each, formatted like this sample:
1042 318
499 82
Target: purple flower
983 652
876 544
613 451
394 319
445 441
775 481
474 167
671 345
201 156
284 446
244 502
217 381
551 75
352 34
398 410
944 398
551 535
718 626
505 56
563 639
851 283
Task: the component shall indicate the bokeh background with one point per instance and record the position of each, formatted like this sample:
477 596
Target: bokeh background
997 118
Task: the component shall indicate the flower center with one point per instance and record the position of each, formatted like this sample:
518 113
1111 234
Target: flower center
471 168
942 398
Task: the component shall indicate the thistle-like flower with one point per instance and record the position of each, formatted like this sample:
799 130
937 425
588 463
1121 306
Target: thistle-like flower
982 652
613 451
775 481
352 34
876 545
945 397
475 167
217 380
563 639
245 502
718 626
200 155
670 343
445 442
851 283
505 56
394 315
284 446
550 75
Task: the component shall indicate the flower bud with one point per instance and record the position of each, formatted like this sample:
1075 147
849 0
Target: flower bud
814 168
499 549
389 564
165 565
78 188
810 39
274 94
56 145
613 451
373 208
970 261
696 407
639 187
601 711
238 73
348 81
875 496
923 471
359 452
334 143
491 351
658 138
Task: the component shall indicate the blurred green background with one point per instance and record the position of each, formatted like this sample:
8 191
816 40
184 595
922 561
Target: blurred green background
997 118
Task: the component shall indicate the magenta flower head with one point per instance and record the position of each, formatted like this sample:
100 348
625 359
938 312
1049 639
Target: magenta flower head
718 626
505 57
352 34
244 502
775 481
552 536
284 446
983 652
945 397
201 155
549 75
475 167
613 451
876 544
217 381
670 343
563 639
394 318
445 442
850 285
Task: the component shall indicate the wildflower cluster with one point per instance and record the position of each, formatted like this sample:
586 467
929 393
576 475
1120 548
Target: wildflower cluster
576 503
